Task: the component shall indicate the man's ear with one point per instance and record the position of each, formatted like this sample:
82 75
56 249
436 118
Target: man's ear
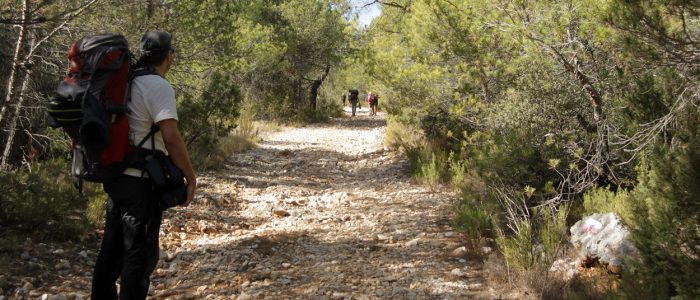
169 57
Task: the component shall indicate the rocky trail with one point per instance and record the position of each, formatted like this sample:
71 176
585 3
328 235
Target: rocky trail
319 212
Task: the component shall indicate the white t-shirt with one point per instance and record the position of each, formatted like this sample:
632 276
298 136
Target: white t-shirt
152 101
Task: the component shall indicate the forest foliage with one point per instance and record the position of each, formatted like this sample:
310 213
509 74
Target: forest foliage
235 62
540 108
538 112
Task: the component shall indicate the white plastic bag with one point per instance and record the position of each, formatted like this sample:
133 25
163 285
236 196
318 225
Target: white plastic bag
602 236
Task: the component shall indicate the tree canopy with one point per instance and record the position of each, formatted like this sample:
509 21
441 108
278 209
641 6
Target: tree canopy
528 108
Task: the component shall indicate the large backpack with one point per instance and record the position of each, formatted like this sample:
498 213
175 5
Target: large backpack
354 95
90 105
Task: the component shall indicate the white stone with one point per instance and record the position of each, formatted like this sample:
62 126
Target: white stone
382 237
244 296
457 272
558 265
474 286
571 273
412 242
459 251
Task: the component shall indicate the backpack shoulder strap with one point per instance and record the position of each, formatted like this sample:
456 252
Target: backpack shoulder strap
142 71
154 129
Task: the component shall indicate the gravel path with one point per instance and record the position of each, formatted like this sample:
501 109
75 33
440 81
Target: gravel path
319 212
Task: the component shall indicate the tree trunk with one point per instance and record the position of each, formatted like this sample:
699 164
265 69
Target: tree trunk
14 118
297 100
150 8
585 82
316 85
15 61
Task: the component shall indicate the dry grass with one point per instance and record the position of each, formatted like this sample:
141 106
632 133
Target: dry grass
265 127
539 283
403 137
248 132
536 283
234 143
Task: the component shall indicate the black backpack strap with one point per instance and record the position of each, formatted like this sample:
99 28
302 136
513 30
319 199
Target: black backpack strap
151 133
136 158
139 155
143 71
136 73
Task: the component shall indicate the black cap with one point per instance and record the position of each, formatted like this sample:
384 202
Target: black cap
154 42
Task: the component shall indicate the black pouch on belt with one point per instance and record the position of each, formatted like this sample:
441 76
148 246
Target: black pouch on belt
168 180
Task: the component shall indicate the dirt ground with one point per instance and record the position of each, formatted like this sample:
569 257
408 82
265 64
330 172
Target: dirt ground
318 212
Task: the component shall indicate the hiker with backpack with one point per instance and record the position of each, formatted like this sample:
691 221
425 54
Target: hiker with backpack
353 96
373 101
122 121
129 248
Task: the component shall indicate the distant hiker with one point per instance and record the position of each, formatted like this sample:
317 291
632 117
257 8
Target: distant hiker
343 97
373 101
353 95
129 247
369 101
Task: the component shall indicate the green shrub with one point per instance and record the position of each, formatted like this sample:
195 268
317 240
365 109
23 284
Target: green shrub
602 200
473 219
666 223
663 215
553 233
458 172
537 238
402 137
245 126
45 195
206 117
518 249
429 164
330 107
433 168
312 116
477 211
509 156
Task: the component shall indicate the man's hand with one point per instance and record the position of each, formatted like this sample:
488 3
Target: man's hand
178 152
191 188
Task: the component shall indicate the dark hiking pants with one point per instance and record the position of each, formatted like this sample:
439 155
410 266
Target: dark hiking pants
130 244
354 107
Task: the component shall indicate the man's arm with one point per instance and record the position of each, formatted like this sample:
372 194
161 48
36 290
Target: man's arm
178 153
